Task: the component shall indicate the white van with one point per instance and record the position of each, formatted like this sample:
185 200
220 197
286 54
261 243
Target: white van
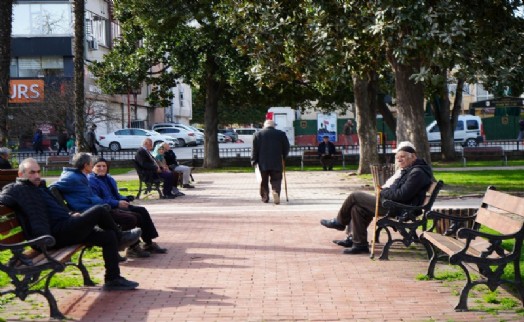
468 132
246 134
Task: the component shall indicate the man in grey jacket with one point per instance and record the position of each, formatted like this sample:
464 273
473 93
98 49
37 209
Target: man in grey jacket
270 148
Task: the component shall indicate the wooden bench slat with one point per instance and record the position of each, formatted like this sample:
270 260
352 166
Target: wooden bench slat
7 225
16 238
504 202
448 245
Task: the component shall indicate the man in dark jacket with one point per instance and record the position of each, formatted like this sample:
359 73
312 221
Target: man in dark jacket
62 142
146 161
270 148
326 149
40 214
359 207
172 163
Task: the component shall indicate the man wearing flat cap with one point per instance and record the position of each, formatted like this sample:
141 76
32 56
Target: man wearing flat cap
407 186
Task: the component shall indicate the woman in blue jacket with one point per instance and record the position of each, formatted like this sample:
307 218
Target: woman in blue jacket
105 187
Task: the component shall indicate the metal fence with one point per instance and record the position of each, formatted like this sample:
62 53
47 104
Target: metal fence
198 153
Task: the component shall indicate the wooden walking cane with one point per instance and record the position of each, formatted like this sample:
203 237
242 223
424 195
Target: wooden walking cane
285 180
377 202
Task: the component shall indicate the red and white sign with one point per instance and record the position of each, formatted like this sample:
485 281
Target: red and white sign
26 91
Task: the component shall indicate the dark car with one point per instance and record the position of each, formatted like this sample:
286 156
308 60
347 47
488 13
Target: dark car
229 132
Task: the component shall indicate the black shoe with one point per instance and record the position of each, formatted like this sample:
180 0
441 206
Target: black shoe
129 238
155 249
169 196
333 224
120 284
357 250
137 252
179 194
348 242
187 185
121 258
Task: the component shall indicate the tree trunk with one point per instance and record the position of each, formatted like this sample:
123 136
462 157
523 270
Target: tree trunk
213 90
387 116
366 129
6 18
410 108
441 110
80 112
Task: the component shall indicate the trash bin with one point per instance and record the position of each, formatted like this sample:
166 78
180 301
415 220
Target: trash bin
444 226
381 173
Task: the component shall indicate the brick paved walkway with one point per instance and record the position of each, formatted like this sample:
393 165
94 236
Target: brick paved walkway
233 258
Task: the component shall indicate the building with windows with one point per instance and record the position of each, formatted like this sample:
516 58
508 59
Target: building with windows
42 72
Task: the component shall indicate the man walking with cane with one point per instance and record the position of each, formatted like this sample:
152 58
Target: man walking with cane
270 147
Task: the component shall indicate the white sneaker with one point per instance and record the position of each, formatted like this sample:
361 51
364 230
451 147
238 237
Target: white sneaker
276 198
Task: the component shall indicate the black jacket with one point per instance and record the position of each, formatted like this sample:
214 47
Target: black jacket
322 148
145 160
170 158
410 188
270 146
35 207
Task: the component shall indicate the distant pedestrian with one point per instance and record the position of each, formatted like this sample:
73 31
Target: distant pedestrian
62 142
37 141
521 131
348 130
92 142
70 145
270 148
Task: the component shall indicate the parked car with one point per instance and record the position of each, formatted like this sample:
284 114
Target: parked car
229 132
132 139
220 137
469 131
199 136
183 136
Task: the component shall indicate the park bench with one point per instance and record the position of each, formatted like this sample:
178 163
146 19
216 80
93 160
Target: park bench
484 153
56 161
148 181
311 156
408 223
7 176
27 266
482 251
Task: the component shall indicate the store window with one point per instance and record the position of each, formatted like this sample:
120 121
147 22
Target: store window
38 66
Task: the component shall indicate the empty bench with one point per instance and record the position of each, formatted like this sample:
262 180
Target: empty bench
26 267
56 161
469 247
484 153
311 156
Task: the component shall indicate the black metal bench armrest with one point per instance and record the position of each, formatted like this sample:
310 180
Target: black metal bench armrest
468 233
41 242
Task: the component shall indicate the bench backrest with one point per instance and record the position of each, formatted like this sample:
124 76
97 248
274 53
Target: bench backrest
10 229
483 150
7 176
57 159
431 194
501 212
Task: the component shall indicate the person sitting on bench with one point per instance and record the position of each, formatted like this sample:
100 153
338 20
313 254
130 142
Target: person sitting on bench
104 186
74 186
359 207
42 215
172 163
326 150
